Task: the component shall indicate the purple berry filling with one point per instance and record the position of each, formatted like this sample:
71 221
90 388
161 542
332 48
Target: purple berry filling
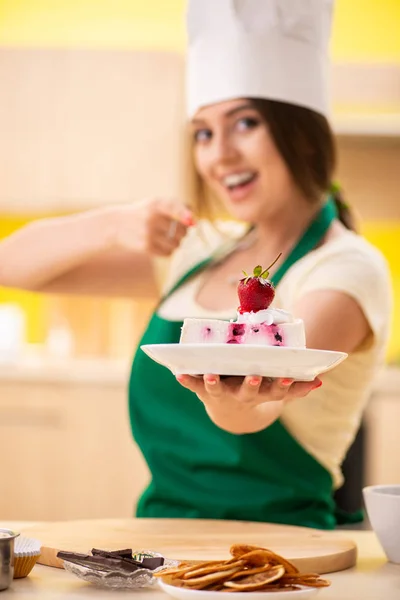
235 332
277 333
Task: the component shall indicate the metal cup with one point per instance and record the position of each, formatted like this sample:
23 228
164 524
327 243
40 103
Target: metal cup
7 538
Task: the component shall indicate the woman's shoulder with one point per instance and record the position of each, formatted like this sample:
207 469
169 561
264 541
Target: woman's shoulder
347 263
347 251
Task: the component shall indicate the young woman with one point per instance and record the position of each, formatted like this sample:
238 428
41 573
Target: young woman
235 448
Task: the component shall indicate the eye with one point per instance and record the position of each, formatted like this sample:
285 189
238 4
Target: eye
202 135
246 123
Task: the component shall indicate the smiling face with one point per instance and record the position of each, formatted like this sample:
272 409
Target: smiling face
237 159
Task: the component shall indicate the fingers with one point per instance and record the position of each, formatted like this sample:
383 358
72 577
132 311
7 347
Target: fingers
194 384
170 229
174 210
152 225
162 245
279 388
213 386
257 390
209 384
250 389
300 389
164 233
162 239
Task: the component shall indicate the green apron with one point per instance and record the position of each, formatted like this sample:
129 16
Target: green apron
200 471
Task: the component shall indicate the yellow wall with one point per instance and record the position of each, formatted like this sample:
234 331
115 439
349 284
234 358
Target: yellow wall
363 29
32 304
93 23
367 30
385 236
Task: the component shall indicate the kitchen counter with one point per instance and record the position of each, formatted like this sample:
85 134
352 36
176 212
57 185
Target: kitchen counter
34 368
373 578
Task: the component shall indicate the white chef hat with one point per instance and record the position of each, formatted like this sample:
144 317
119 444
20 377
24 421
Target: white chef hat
274 49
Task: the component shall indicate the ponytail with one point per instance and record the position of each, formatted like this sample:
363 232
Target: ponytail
345 214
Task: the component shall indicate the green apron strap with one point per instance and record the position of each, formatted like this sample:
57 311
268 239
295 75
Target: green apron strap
197 267
309 240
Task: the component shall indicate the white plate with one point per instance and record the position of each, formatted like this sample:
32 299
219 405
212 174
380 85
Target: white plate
301 364
185 594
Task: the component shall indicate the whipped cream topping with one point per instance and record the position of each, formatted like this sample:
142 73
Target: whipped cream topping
270 316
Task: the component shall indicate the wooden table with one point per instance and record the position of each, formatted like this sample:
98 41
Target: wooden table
372 579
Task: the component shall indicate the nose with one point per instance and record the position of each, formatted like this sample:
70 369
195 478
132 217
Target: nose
223 148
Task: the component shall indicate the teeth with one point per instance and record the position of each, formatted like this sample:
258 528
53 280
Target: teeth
237 178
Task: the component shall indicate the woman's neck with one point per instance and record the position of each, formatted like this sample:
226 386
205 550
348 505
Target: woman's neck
280 233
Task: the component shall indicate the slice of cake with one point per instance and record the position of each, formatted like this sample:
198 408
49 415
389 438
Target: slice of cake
256 323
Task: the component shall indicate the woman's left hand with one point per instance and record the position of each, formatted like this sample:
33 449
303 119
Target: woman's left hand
245 405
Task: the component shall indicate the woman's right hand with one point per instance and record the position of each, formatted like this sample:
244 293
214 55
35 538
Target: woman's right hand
155 226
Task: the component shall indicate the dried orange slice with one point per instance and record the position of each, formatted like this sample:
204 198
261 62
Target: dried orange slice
251 571
180 570
212 569
240 550
258 581
250 568
206 580
256 558
237 550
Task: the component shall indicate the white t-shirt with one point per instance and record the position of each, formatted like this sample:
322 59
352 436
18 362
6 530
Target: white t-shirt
325 422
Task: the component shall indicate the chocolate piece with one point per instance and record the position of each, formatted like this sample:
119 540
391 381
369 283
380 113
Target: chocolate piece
99 563
126 553
147 562
102 560
153 563
127 559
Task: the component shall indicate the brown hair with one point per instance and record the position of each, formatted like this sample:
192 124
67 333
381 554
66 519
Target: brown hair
307 145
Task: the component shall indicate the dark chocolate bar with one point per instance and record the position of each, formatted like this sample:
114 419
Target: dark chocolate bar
126 553
98 563
147 562
102 560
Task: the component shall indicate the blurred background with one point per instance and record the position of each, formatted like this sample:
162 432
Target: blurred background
91 113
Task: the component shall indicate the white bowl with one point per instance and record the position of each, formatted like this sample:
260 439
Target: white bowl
383 507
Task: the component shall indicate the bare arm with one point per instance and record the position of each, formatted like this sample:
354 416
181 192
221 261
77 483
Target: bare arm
106 251
333 320
119 273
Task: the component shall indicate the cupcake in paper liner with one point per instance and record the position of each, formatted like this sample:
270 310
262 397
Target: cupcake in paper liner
26 554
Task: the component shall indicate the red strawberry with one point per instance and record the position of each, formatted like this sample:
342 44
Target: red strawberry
256 292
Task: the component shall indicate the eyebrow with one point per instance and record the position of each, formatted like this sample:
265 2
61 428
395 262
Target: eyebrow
230 113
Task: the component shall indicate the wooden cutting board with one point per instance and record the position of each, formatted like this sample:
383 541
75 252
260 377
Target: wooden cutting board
310 549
